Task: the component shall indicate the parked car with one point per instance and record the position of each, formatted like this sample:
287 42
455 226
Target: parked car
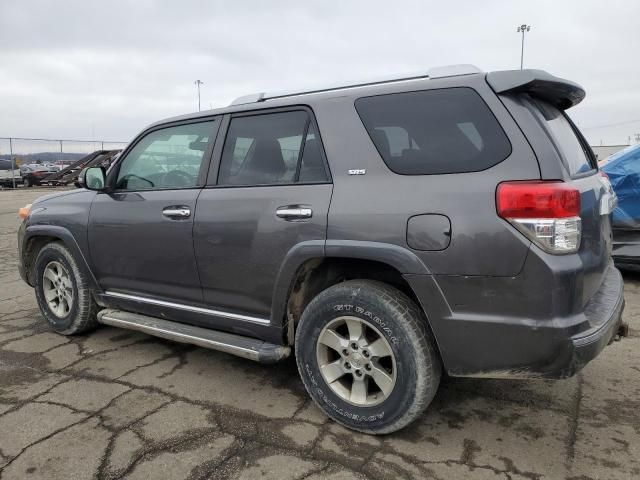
9 178
33 173
623 170
387 231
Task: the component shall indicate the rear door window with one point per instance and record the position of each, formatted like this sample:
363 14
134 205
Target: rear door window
575 153
434 131
271 149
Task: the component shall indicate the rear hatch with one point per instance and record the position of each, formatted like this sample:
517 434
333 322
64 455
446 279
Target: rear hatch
544 99
595 191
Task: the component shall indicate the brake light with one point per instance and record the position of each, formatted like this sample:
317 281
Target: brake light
548 213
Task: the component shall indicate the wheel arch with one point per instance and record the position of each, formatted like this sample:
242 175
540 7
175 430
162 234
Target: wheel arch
37 236
313 266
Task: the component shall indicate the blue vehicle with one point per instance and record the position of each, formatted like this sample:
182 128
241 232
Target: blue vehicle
623 169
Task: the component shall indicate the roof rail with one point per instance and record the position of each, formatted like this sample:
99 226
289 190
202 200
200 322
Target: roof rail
436 72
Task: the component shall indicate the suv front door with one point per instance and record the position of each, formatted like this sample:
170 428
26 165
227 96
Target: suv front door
271 193
141 234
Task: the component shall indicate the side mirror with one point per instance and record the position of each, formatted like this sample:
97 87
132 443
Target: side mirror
92 178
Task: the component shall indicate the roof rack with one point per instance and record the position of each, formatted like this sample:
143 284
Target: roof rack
436 72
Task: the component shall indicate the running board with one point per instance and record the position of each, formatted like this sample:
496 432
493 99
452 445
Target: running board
246 347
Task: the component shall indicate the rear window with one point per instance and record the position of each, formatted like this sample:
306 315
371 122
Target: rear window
434 131
574 152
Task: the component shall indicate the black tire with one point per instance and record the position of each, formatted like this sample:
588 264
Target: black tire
82 313
402 324
26 182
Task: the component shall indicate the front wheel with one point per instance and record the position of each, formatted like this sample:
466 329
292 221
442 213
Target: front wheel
62 291
366 356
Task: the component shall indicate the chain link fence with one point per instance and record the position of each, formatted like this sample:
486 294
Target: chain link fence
16 152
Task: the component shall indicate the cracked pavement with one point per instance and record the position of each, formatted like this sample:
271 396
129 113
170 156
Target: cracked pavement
120 404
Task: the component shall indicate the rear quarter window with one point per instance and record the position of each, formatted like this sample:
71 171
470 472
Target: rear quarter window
575 153
434 131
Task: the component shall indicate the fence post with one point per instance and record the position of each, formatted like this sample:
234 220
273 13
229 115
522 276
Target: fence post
13 176
60 150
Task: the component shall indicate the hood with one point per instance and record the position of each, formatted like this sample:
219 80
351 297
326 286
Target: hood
51 196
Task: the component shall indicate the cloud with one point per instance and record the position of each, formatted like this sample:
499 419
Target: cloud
86 69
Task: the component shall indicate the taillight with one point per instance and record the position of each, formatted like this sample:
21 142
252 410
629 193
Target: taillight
548 213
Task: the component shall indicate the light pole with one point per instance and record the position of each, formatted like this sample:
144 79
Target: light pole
523 28
198 83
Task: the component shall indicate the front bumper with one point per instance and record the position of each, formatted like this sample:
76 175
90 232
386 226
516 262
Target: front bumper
21 246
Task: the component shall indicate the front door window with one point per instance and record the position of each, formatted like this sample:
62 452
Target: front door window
169 158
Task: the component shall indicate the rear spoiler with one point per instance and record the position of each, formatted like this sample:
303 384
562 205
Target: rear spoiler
537 83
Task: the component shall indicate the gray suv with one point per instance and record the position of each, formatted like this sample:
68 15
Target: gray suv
388 231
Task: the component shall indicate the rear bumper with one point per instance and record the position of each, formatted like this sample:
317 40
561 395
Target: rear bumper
605 314
494 346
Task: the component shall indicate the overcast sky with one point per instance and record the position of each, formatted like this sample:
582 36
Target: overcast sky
105 69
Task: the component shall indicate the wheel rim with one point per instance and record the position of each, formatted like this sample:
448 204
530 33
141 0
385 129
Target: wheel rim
58 289
356 361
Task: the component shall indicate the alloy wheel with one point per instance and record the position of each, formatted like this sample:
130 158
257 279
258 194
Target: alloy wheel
58 289
356 361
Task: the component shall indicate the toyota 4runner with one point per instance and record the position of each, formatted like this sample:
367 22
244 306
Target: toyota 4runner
388 231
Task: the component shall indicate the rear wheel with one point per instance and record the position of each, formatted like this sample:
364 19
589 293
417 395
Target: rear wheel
62 291
27 182
367 357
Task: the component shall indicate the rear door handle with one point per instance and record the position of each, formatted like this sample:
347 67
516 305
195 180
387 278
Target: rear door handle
176 212
294 212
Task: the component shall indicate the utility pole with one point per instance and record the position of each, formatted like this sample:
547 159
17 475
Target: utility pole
198 83
13 165
523 28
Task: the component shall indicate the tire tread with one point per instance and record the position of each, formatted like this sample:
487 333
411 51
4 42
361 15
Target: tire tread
86 316
415 324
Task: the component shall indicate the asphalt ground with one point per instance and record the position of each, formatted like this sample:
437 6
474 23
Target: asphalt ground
119 404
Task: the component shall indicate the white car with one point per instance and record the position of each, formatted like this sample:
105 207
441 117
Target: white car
7 179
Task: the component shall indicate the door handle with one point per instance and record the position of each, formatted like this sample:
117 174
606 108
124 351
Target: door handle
294 212
176 212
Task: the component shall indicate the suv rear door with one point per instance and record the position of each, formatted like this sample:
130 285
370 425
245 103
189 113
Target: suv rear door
270 193
580 171
538 102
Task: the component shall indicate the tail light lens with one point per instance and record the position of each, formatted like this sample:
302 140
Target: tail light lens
548 213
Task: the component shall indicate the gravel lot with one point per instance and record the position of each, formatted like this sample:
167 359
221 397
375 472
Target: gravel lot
118 404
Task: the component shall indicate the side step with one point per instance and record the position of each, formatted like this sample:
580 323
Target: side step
246 347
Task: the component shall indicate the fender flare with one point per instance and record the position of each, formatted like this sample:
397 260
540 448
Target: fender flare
69 241
400 258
